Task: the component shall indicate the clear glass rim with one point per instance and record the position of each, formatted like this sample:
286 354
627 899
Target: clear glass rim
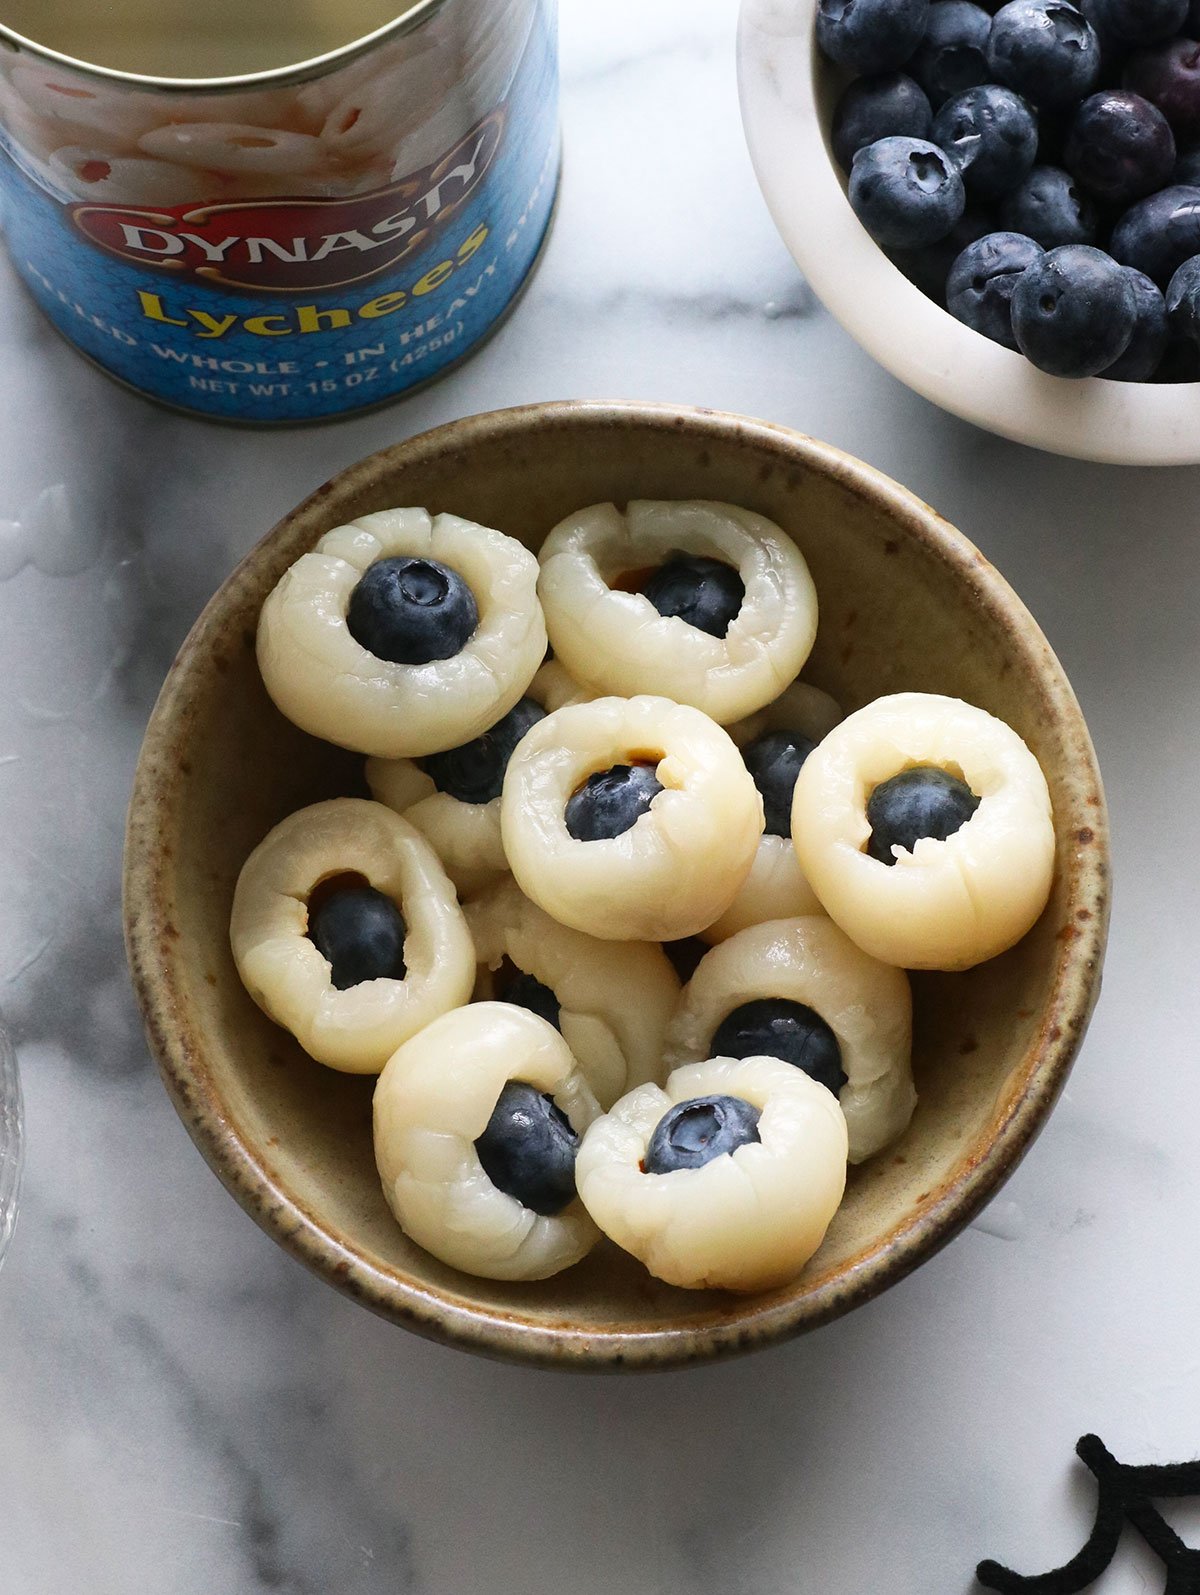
12 1141
277 77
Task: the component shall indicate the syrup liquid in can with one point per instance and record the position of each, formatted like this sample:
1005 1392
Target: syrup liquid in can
277 210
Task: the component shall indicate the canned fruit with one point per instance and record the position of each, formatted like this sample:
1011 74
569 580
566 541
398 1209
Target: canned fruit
591 838
437 1101
610 635
678 866
333 686
277 932
453 798
284 253
860 1045
614 1000
751 1216
943 904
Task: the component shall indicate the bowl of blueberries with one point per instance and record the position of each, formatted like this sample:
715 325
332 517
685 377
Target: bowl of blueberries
1001 204
614 885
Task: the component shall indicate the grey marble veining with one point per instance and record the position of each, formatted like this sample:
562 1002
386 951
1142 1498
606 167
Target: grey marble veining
183 1410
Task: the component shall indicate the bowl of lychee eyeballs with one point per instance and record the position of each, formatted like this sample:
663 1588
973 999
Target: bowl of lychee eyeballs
1000 203
614 885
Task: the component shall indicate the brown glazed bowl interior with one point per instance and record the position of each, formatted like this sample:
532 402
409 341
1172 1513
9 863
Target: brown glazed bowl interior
906 604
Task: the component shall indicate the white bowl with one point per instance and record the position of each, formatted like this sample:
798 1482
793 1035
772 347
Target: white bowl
787 93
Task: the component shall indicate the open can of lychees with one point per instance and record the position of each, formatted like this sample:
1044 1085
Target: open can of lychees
277 210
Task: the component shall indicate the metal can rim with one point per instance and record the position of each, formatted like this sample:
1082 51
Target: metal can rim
277 77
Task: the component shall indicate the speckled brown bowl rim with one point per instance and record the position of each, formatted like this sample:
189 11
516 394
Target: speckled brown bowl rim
442 1315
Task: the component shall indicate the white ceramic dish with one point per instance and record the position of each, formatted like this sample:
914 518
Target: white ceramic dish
787 93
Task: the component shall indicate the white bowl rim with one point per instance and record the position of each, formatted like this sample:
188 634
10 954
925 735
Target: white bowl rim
1126 423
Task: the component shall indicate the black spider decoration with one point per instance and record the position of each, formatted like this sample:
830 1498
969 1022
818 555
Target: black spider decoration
1124 1494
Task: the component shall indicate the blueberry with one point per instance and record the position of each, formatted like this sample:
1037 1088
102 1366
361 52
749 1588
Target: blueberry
1073 311
870 35
691 1134
522 990
1183 302
361 934
685 955
1187 170
1168 75
1181 363
923 801
775 760
1146 347
474 773
928 268
952 54
773 1027
1050 208
980 286
1045 49
704 592
611 802
1120 147
1158 234
1138 21
878 107
410 611
991 135
528 1149
906 192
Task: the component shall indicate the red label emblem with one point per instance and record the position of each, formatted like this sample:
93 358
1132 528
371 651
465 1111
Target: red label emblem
299 245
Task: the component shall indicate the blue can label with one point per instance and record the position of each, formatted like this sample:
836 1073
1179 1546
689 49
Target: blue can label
288 308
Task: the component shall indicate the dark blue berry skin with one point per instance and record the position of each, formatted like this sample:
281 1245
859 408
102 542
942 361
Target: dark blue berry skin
929 268
952 54
528 1149
1050 208
980 286
906 192
1073 312
775 760
1148 343
1168 75
611 802
991 135
1187 170
1159 233
920 802
1183 302
878 107
474 773
361 933
1120 147
513 985
870 35
1181 363
410 611
691 1134
704 592
1046 50
1138 22
773 1027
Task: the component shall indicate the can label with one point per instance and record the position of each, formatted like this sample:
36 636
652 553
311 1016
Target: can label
284 308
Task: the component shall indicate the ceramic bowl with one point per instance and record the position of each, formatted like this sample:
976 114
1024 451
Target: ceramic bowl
788 92
907 603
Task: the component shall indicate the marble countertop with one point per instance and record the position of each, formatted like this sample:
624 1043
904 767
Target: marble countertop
183 1409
